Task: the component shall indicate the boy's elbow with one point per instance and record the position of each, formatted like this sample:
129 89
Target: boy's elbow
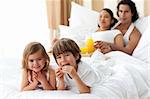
85 91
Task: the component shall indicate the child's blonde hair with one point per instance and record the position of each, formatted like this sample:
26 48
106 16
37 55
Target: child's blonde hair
66 45
32 48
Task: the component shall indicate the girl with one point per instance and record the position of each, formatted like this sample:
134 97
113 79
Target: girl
72 73
36 70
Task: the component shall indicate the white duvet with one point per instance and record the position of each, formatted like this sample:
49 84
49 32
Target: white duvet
129 80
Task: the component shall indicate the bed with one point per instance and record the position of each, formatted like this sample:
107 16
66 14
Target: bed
131 79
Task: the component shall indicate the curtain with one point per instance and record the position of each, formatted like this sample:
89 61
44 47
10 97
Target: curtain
78 1
58 12
65 11
53 12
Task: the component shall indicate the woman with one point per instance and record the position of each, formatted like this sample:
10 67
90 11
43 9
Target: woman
127 14
104 32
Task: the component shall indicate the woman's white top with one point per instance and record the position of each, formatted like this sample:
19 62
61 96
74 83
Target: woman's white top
107 36
127 34
86 74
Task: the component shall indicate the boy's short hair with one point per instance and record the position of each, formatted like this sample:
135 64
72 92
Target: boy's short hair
66 45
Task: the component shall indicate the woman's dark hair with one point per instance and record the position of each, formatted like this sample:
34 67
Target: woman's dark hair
66 45
111 15
132 6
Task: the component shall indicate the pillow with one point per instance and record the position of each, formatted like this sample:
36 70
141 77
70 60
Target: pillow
142 51
78 34
81 16
142 23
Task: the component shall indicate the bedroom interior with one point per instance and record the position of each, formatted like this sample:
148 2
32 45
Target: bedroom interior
23 21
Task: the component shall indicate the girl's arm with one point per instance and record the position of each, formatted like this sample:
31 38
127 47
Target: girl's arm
25 85
42 78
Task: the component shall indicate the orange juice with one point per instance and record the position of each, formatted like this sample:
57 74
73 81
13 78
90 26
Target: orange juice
90 45
83 50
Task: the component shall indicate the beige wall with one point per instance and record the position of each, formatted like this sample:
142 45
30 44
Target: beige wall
147 7
97 5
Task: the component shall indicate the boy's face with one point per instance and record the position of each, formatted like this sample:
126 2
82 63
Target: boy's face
66 58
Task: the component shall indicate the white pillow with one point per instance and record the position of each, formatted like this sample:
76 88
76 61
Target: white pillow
142 23
78 34
81 16
142 51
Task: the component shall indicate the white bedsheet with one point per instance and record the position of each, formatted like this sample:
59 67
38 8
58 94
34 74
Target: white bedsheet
129 81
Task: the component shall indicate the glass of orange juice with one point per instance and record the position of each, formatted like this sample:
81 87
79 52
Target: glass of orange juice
90 45
83 47
83 50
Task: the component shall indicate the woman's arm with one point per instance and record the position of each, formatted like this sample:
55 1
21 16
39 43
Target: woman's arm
118 40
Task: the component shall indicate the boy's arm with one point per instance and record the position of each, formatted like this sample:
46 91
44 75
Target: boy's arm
52 78
61 85
60 76
83 88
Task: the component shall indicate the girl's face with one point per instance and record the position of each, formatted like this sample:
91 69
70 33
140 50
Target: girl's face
36 61
125 14
66 58
105 20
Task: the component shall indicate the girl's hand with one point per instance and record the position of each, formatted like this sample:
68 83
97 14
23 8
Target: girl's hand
103 46
41 76
34 78
69 70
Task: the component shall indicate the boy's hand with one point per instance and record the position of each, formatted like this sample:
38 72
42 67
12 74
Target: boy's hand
59 74
69 70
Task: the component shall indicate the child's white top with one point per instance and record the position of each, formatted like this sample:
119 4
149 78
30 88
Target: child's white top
86 74
107 36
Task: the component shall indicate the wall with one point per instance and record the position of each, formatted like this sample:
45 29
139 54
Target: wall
146 7
97 5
